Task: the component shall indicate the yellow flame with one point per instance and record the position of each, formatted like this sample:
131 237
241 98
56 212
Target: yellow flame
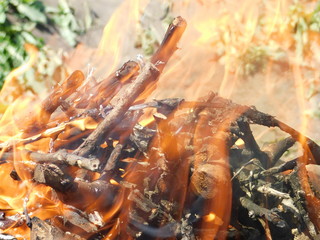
119 30
114 182
84 123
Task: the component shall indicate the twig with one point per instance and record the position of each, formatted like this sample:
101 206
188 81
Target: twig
267 120
299 198
114 157
77 193
148 74
169 43
278 169
256 210
59 157
52 102
270 191
109 87
250 142
276 150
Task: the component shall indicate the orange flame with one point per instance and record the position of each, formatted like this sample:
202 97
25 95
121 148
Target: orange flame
225 41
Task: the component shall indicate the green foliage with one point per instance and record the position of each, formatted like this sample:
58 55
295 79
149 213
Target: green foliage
303 21
18 19
253 60
148 37
147 41
64 19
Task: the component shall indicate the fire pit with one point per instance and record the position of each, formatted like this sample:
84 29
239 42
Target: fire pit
96 160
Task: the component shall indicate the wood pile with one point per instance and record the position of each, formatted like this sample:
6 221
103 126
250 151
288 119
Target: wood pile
183 175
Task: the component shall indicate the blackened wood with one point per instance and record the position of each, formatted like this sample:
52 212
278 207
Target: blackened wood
51 175
276 150
256 210
79 218
141 137
300 203
77 193
270 121
251 143
289 165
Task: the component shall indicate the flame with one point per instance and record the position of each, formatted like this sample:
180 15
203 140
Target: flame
85 123
113 40
223 42
213 217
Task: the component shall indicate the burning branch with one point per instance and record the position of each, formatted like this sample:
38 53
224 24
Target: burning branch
183 174
123 102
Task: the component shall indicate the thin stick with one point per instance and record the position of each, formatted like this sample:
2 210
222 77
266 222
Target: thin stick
123 101
61 156
169 43
52 102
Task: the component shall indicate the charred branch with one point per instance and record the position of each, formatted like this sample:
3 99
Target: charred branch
264 119
75 192
256 210
275 151
59 157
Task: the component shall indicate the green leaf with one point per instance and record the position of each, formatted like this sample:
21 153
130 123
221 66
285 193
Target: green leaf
68 35
15 2
16 54
29 38
51 10
2 35
64 6
4 43
74 24
32 13
2 17
29 26
3 61
15 28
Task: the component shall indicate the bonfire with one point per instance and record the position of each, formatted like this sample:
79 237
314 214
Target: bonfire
101 160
